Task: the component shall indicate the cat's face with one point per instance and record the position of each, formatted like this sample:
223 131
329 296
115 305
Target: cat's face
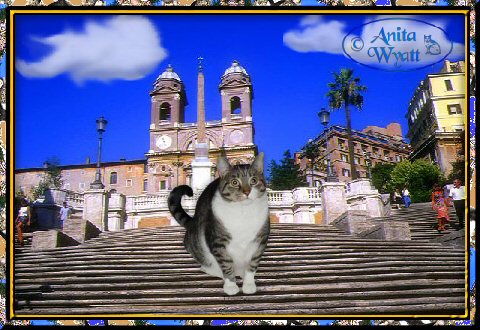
427 38
239 182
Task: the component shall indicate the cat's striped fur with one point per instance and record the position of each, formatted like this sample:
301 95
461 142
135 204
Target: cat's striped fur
229 231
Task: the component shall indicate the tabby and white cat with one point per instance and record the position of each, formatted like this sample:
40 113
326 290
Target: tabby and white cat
229 231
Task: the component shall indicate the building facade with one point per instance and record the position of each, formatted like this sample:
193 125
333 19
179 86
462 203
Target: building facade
168 160
373 145
437 117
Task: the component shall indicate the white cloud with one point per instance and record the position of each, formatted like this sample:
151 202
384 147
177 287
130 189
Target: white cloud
310 20
317 36
124 47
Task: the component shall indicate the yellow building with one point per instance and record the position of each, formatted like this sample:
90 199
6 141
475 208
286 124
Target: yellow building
436 116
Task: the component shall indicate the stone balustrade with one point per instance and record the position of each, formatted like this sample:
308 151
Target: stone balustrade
300 205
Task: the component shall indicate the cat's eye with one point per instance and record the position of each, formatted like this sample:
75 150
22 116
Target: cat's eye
253 181
234 182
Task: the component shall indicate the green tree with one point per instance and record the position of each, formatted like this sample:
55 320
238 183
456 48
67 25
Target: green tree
381 176
458 170
286 175
419 176
311 152
52 178
346 91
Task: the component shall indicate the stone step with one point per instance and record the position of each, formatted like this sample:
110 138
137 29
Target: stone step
352 242
305 268
208 281
141 280
269 257
311 309
155 251
314 301
179 267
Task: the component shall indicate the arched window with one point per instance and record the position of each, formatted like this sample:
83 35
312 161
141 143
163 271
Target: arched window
165 111
235 106
113 178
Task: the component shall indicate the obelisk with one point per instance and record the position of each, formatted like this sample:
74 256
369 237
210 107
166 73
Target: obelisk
201 165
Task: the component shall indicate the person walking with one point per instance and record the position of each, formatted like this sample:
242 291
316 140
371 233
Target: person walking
457 193
440 204
63 214
23 220
397 198
406 197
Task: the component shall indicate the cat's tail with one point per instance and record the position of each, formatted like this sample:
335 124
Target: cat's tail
175 204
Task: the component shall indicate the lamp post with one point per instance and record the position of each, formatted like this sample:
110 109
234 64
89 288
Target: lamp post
311 153
101 124
324 116
367 163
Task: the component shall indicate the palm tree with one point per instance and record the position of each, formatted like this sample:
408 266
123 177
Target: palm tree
345 91
311 152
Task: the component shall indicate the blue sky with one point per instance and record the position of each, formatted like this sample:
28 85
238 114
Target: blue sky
58 96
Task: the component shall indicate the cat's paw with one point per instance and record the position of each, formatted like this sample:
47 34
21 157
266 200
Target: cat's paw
249 288
230 288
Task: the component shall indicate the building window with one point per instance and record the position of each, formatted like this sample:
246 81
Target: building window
81 185
454 109
341 144
345 172
344 158
66 186
398 158
145 185
235 106
458 128
163 185
448 85
129 183
67 174
317 183
145 168
364 148
129 169
113 178
165 111
375 152
82 172
356 160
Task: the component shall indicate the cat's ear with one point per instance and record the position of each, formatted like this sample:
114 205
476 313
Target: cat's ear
257 164
223 167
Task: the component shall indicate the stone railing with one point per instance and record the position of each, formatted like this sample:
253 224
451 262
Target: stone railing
300 205
280 197
74 199
276 198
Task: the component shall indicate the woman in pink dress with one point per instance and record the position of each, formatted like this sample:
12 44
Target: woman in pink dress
440 204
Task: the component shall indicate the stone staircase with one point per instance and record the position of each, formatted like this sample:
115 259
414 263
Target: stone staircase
423 221
306 269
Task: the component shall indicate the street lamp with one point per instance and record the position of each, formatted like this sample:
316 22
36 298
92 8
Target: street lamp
311 153
324 116
101 124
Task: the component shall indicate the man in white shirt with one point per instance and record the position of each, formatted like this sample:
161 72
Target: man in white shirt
64 213
457 193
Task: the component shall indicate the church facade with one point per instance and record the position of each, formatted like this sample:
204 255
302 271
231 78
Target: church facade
168 161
